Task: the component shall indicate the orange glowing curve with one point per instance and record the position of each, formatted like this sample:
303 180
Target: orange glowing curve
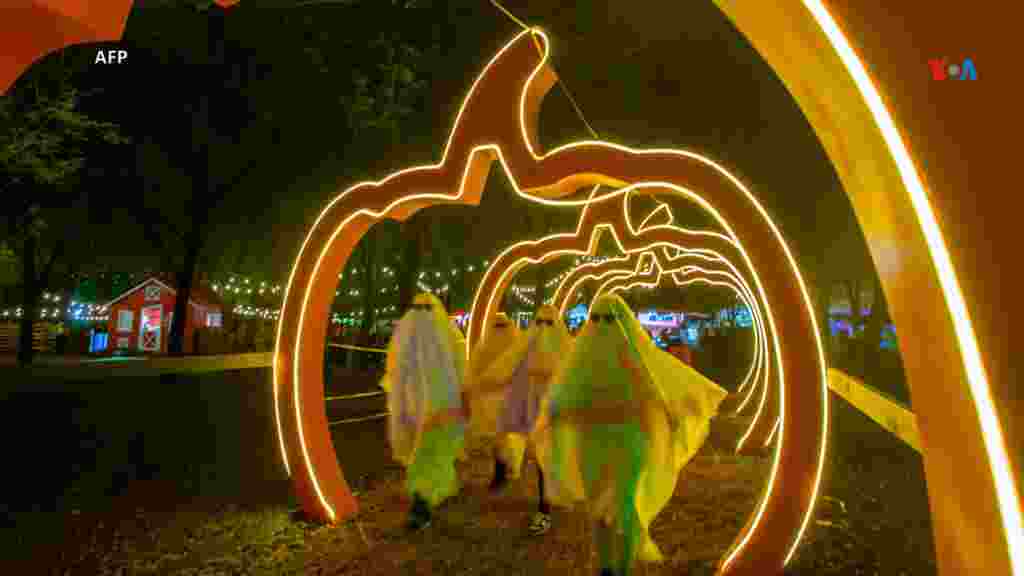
760 426
627 281
31 29
497 121
634 265
631 265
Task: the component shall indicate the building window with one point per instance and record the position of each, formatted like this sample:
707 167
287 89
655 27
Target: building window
214 320
124 320
152 293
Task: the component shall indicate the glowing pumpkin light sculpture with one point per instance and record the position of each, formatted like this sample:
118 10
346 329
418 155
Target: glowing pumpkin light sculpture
497 122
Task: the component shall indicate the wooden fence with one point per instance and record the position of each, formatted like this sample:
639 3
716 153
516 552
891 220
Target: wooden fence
43 337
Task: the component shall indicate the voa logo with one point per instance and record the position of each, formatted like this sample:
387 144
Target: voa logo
942 69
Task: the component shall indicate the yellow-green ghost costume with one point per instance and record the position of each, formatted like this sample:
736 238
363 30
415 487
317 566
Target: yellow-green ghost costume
485 398
525 370
426 428
620 421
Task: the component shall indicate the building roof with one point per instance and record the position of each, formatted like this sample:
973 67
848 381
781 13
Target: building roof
200 295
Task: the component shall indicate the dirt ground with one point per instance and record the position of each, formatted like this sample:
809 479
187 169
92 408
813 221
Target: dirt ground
872 519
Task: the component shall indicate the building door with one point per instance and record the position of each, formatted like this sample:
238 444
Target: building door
150 328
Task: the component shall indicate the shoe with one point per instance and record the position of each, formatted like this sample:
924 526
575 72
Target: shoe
498 485
606 572
419 516
417 524
539 524
500 477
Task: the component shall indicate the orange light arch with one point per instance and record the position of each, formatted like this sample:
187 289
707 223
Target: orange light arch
804 41
660 261
762 425
718 271
493 125
854 73
633 268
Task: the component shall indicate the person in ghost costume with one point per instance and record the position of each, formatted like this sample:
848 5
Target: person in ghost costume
426 424
524 372
621 420
486 404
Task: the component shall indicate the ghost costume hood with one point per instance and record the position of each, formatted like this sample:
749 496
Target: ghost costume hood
425 367
621 419
525 370
500 335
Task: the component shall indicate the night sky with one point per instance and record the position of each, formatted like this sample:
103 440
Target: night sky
645 74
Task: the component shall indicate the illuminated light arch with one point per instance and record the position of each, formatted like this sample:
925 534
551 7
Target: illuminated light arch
612 216
760 425
629 281
765 413
771 436
634 265
764 417
847 96
662 214
488 129
830 81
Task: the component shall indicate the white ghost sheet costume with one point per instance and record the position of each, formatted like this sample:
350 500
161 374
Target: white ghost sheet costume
424 377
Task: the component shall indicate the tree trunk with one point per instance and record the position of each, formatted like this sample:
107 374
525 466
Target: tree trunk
108 287
67 292
588 295
176 343
369 262
873 333
856 306
29 300
540 292
205 192
823 302
410 265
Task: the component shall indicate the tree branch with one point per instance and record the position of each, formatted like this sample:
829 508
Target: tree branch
155 227
20 215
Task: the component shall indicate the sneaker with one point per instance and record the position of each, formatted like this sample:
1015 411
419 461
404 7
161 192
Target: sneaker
498 485
419 516
539 524
417 522
500 477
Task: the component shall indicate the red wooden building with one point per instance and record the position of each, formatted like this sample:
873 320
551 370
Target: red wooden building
140 318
